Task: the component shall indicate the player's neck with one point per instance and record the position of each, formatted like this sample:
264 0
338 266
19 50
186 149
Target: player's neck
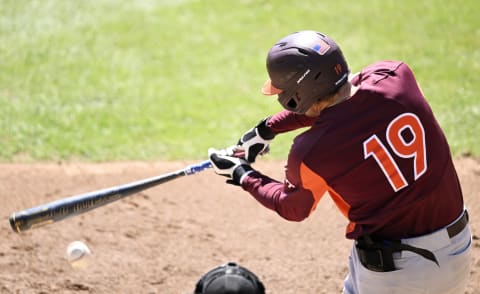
344 93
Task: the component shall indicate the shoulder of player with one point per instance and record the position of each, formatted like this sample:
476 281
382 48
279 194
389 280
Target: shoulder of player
381 69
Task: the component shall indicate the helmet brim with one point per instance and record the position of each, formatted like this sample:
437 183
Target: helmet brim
268 89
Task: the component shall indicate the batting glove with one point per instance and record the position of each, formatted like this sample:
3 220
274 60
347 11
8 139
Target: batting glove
256 140
226 164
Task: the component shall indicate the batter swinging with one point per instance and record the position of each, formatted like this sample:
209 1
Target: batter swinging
375 146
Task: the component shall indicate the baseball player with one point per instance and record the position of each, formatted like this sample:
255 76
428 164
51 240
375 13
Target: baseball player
372 142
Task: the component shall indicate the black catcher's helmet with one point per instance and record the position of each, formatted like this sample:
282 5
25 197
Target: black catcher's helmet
229 279
304 67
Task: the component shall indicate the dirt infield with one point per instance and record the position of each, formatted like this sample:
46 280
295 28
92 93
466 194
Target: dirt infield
163 239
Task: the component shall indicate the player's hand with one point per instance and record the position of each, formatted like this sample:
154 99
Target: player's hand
256 140
226 164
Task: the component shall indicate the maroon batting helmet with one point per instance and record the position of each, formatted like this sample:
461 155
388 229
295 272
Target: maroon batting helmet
304 67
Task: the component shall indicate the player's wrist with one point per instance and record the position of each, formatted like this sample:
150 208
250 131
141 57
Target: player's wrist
264 131
240 173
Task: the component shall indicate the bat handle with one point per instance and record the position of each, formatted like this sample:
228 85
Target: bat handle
198 167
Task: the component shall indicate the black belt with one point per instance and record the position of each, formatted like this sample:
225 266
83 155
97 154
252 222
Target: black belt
458 226
377 255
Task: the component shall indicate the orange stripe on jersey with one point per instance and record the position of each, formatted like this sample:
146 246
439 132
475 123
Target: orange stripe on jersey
342 205
313 182
318 186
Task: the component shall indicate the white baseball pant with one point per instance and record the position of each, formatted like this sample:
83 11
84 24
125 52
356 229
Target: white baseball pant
416 274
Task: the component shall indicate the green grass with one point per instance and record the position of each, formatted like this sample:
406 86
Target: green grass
145 80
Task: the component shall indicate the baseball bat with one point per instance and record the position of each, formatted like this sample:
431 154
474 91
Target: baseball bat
77 204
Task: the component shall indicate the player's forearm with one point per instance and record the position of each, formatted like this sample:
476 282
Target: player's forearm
270 193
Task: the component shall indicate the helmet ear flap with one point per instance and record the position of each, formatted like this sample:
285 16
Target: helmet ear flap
292 104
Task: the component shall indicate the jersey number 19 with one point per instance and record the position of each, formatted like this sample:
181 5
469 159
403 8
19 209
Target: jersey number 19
414 148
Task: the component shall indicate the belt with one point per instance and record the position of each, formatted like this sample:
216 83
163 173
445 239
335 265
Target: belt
458 226
377 255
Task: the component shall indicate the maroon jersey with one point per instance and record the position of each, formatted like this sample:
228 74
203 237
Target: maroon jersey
380 155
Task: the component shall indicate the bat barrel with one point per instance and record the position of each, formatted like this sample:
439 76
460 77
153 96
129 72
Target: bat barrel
58 210
13 222
74 205
20 221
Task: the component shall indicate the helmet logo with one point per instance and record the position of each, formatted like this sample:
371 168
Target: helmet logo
321 47
303 76
338 68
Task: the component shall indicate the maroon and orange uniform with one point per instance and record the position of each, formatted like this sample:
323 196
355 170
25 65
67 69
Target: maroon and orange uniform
380 155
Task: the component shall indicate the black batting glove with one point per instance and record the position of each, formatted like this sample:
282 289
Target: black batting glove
256 140
226 164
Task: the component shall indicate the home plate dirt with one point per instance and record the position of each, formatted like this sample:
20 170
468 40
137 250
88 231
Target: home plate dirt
163 239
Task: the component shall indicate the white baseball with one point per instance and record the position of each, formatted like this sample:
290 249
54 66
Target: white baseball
78 253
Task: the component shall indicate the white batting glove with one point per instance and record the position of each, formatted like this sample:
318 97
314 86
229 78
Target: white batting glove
226 164
256 141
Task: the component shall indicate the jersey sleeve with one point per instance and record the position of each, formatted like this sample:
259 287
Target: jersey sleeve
290 202
285 121
297 196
